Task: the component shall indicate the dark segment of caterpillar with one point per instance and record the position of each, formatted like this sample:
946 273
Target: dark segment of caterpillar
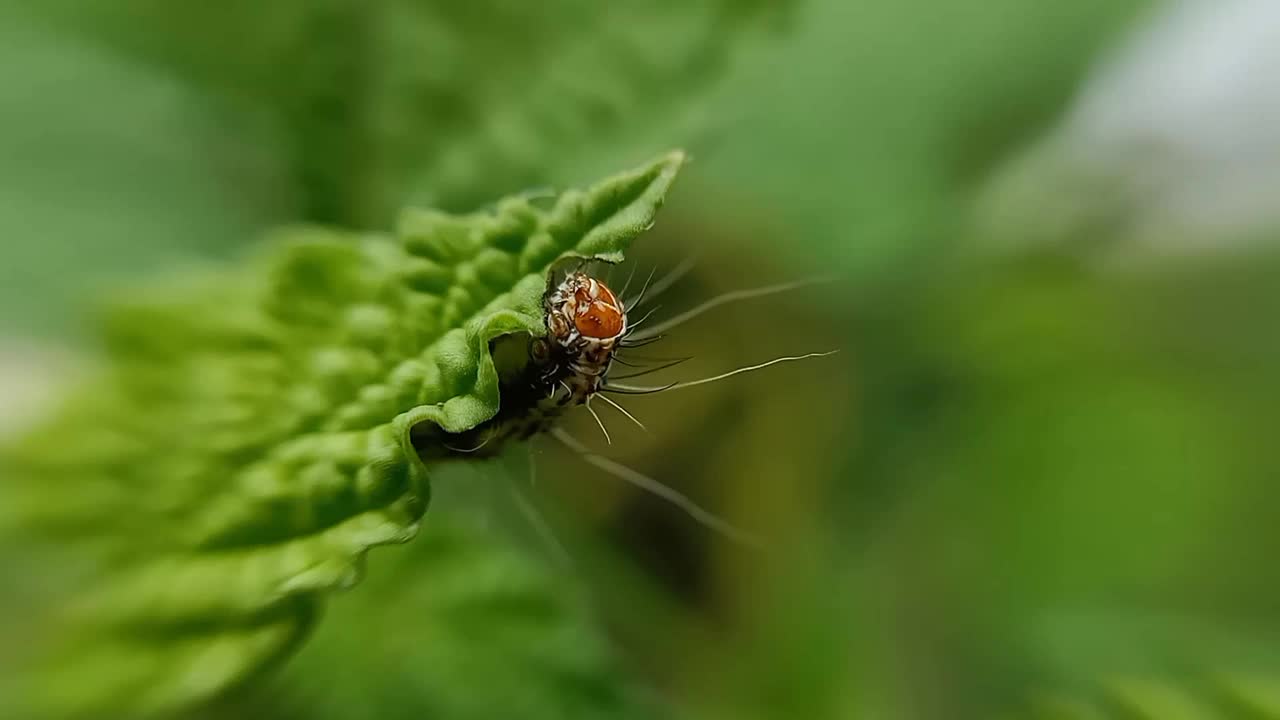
585 322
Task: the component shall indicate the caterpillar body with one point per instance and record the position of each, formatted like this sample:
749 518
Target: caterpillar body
586 323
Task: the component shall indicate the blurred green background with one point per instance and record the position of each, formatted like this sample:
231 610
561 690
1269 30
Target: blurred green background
1037 482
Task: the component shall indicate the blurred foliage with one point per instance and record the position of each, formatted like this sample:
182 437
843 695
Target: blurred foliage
1034 484
112 168
868 130
445 105
183 125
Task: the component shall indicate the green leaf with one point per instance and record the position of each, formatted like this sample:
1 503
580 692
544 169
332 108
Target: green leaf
471 598
249 439
112 169
443 103
1152 665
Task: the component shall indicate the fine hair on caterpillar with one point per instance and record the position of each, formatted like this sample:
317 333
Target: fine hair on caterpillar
586 352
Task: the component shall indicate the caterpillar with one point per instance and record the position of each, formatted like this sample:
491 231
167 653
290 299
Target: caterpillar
588 326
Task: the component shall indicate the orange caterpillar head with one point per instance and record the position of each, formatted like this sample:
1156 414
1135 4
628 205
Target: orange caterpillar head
597 312
585 325
581 308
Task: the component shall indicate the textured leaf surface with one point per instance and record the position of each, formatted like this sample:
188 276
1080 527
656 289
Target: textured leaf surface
468 622
248 441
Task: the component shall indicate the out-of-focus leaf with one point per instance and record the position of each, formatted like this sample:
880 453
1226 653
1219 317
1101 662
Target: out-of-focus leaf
113 169
1140 666
249 440
867 131
433 103
1039 433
